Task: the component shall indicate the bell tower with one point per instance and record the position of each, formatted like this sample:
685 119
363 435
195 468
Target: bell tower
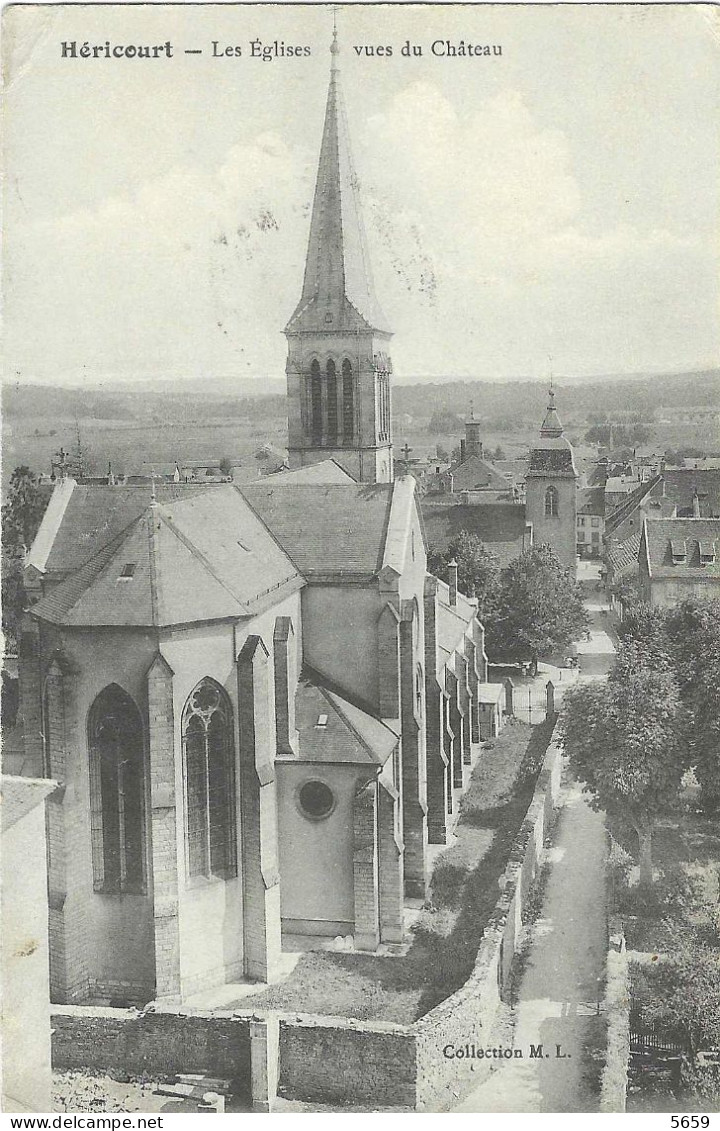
338 368
551 489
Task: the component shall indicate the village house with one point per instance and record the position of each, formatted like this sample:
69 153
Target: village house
679 558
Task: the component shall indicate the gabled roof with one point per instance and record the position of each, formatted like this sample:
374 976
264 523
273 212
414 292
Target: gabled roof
326 529
325 471
349 731
202 557
475 474
338 292
681 484
664 538
501 526
622 512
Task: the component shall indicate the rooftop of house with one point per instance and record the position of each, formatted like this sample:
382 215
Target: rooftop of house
476 474
501 525
622 512
682 547
682 483
335 728
622 557
325 471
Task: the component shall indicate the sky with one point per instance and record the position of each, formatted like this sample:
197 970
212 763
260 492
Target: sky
551 209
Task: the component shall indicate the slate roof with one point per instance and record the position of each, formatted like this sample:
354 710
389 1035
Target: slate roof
623 511
622 557
554 456
203 556
501 526
660 534
338 291
475 474
94 515
325 471
351 732
682 483
325 529
21 795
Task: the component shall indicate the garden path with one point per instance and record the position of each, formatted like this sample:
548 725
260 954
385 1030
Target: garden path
559 986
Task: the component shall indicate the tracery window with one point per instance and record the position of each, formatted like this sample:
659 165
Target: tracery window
208 755
551 503
117 793
348 402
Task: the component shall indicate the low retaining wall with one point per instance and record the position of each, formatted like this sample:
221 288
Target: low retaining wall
466 1018
613 1088
158 1043
334 1060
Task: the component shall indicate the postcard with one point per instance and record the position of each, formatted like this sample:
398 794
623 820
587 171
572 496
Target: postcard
361 559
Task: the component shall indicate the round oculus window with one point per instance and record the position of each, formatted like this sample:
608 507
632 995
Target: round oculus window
316 799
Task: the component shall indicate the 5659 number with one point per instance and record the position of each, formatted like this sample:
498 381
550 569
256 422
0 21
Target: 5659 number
689 1120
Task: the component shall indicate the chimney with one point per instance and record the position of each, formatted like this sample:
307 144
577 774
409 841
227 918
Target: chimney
462 451
453 568
696 504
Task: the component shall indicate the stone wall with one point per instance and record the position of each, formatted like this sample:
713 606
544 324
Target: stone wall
466 1018
157 1043
613 1089
333 1060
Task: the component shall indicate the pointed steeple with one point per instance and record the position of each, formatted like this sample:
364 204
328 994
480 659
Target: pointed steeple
551 427
338 292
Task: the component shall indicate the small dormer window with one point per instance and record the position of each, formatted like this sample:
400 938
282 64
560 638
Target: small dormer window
707 552
678 551
128 571
322 721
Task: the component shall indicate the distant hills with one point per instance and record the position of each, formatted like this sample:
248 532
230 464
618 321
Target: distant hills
507 403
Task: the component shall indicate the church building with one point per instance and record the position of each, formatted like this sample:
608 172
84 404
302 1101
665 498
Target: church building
260 708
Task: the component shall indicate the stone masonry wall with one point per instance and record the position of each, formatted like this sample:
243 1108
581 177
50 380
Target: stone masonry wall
162 1043
467 1016
333 1060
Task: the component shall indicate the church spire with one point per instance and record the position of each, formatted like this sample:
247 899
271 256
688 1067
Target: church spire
338 292
551 427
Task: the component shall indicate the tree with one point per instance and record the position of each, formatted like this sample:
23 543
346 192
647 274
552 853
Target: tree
226 465
478 571
540 609
693 639
624 741
683 994
21 517
498 453
22 512
442 453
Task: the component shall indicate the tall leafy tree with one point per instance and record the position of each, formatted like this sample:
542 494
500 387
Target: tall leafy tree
540 609
21 516
478 571
624 739
693 636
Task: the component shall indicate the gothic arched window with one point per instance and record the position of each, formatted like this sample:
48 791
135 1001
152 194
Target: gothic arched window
348 402
316 400
551 503
209 757
332 400
117 792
